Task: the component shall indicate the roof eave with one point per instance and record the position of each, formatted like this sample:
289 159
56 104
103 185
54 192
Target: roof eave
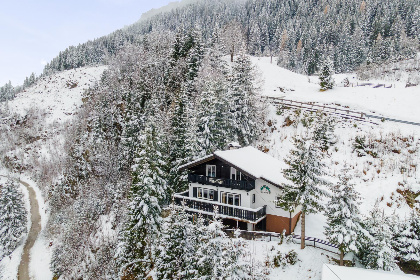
195 163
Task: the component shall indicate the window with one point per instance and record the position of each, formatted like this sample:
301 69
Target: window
253 198
230 198
211 171
276 202
235 174
211 194
205 193
224 198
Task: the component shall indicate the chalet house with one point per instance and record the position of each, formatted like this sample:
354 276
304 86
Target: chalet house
244 183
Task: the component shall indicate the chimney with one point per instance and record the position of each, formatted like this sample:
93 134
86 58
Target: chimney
233 146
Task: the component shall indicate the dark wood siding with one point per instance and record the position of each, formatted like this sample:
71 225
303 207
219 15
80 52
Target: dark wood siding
222 170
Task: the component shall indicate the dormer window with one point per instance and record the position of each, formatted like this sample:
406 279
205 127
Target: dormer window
235 174
211 171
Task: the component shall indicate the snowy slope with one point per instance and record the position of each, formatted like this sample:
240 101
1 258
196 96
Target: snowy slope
396 102
55 99
59 95
381 179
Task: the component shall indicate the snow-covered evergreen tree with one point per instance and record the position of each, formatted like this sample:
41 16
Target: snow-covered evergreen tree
408 239
13 217
180 150
375 248
219 257
343 216
305 174
245 111
326 80
177 246
324 133
213 124
148 191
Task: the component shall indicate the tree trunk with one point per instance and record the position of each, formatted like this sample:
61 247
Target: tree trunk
341 258
232 52
302 233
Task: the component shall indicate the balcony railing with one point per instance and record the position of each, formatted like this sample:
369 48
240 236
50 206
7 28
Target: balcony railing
225 211
221 182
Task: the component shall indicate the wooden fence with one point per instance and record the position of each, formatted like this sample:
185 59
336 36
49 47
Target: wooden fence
343 113
271 236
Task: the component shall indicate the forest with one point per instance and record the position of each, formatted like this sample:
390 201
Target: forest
181 85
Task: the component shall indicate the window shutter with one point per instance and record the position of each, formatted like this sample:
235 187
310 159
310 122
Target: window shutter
195 192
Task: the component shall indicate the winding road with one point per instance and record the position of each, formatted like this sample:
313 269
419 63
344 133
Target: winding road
23 271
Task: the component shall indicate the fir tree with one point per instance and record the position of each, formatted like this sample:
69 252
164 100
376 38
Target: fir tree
244 107
324 133
213 125
326 80
408 239
180 150
13 218
148 191
343 216
176 253
375 248
305 176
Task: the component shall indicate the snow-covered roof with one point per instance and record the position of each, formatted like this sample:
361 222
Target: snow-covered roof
334 272
255 163
249 161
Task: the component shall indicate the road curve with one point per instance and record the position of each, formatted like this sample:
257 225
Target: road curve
23 271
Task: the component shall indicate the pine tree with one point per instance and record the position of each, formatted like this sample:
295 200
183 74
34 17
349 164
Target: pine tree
148 191
305 176
324 133
343 216
326 80
213 109
408 239
181 150
177 246
375 248
13 218
244 107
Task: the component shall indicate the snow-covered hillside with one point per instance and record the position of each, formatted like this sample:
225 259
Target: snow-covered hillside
396 102
386 177
33 127
58 95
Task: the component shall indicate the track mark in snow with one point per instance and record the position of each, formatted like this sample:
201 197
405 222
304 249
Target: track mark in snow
23 271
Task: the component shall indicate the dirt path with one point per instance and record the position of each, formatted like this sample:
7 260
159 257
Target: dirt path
23 272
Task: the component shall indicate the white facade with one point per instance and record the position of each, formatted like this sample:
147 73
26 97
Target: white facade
263 194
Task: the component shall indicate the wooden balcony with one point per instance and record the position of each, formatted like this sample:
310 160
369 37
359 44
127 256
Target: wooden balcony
225 211
221 182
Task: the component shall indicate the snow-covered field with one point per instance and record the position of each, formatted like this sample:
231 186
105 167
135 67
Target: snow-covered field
397 102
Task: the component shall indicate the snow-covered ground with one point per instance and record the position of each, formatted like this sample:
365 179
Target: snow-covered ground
380 179
59 95
40 257
397 102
